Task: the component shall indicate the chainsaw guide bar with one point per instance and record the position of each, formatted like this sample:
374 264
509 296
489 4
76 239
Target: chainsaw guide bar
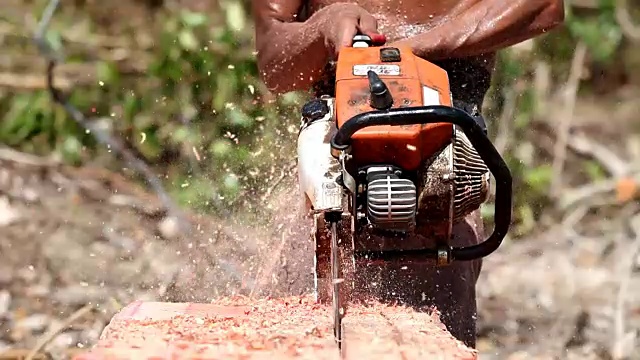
337 282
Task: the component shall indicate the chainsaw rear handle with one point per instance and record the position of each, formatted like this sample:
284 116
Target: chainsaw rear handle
491 157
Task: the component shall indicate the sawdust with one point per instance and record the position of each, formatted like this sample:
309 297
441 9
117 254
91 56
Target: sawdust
291 327
79 236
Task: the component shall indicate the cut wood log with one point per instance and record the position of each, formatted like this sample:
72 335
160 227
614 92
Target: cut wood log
287 328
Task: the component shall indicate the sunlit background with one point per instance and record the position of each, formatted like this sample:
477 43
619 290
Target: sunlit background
175 84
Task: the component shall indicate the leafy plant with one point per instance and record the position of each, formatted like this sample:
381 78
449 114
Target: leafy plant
190 102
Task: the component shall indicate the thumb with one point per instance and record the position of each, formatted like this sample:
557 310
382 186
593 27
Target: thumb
368 25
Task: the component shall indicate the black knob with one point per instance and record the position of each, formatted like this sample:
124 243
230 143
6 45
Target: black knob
380 98
314 110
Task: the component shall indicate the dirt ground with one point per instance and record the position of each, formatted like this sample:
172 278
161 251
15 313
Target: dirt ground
74 237
71 238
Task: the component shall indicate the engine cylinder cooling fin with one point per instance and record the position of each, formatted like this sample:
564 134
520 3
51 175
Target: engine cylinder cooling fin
391 200
471 177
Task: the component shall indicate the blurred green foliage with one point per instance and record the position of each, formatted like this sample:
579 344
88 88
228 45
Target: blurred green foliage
199 114
597 27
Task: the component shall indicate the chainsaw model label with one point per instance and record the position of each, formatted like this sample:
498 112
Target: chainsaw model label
389 70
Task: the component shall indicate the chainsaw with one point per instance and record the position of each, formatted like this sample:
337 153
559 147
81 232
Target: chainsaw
389 162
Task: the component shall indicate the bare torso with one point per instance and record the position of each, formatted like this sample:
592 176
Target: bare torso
400 19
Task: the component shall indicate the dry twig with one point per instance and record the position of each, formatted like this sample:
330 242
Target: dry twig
541 86
623 18
588 193
613 164
11 155
100 135
566 116
51 334
506 120
30 82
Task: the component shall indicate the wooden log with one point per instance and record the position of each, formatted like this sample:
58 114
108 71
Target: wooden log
287 328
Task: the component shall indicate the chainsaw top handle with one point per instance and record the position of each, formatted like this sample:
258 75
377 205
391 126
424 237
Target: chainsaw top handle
491 157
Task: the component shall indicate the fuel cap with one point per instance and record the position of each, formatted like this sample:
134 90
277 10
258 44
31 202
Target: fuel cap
314 110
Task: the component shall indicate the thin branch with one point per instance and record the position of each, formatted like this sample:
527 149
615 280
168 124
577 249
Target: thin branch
629 29
40 35
24 82
541 86
51 334
566 116
506 118
582 194
571 219
613 164
11 155
103 137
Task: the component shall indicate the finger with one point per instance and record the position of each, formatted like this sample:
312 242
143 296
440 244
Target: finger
368 24
348 29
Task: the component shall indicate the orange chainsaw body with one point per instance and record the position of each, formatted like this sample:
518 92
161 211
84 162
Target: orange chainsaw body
412 81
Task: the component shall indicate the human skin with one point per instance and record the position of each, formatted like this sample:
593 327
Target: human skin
296 39
293 48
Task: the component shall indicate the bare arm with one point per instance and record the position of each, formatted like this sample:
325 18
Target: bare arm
290 53
487 26
293 54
